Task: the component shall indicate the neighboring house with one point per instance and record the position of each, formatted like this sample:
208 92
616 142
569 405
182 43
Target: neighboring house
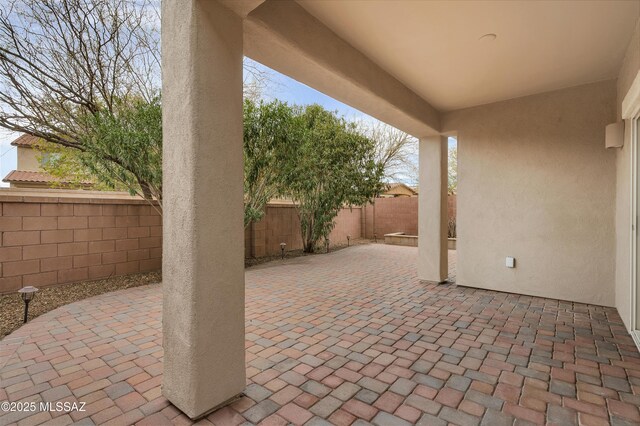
398 189
391 190
29 172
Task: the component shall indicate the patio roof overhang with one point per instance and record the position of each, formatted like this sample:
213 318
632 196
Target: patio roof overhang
403 62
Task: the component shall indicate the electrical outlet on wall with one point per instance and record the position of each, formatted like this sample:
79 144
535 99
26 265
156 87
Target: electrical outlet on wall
511 262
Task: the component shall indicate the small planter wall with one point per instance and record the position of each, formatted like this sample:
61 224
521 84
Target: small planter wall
400 239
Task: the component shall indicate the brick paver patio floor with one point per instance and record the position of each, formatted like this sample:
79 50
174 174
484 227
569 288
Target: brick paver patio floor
346 338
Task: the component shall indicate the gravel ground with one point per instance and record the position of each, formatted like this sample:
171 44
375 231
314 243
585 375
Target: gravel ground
49 298
298 253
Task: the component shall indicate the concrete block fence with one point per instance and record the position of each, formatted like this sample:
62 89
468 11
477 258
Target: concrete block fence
387 215
281 224
392 215
55 238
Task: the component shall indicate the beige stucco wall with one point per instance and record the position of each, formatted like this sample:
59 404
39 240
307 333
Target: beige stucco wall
30 185
432 209
629 70
536 183
623 219
28 159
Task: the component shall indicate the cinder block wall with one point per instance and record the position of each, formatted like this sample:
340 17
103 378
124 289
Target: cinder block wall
390 215
348 222
281 224
49 240
452 205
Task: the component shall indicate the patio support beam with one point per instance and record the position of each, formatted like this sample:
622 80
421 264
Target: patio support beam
432 209
203 270
284 36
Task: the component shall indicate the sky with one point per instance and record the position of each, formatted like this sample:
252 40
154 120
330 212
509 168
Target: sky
8 155
291 91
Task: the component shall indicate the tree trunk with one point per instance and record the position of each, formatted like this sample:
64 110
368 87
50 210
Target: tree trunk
307 238
146 190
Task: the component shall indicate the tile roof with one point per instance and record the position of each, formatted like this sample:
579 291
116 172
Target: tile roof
35 177
25 140
394 185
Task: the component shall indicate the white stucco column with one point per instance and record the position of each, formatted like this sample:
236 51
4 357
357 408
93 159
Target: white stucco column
432 210
203 269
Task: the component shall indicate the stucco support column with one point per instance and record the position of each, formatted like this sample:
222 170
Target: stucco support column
432 209
203 270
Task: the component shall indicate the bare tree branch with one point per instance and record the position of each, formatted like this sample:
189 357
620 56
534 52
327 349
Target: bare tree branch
396 151
62 61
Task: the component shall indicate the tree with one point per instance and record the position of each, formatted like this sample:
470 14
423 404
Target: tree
132 135
257 79
332 165
75 71
452 170
395 150
267 137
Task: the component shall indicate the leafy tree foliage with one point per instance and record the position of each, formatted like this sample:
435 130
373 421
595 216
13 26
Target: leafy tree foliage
453 170
122 150
267 136
331 166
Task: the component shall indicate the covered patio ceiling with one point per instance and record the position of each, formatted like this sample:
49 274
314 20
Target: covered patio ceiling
434 47
422 58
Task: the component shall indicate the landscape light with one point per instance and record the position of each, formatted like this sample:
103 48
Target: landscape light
348 240
282 247
27 294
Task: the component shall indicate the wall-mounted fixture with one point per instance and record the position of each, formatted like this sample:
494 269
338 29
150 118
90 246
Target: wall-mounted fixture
614 137
510 262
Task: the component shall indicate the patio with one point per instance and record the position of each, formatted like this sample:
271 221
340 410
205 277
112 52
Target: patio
346 338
